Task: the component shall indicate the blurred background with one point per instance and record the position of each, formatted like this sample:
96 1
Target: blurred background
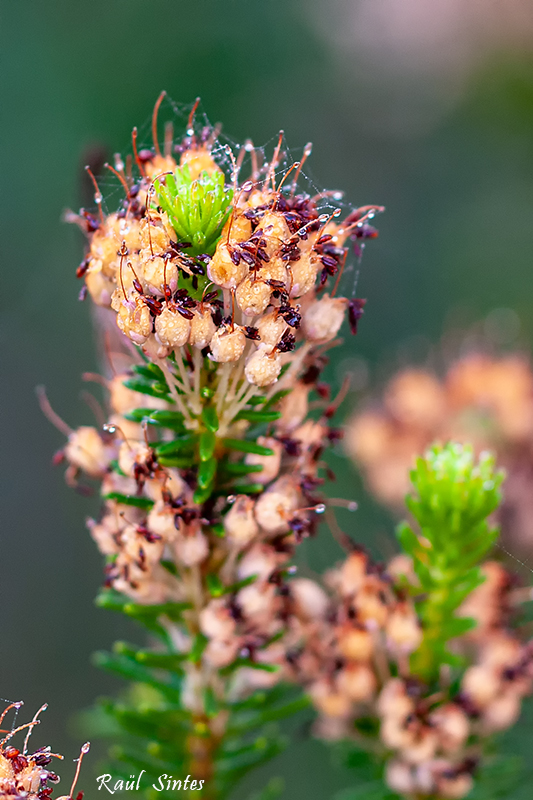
424 106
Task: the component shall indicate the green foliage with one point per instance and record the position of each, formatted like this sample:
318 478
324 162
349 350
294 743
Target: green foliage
197 209
454 495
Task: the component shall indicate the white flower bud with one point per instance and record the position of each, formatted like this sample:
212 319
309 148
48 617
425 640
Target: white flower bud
261 560
253 295
160 520
275 507
294 407
403 630
130 454
171 328
158 273
99 286
86 450
135 320
227 344
394 701
303 273
329 700
275 231
239 523
270 464
238 227
323 319
310 600
355 643
192 546
170 482
271 328
216 621
263 366
502 712
202 328
223 271
452 725
358 682
399 777
482 684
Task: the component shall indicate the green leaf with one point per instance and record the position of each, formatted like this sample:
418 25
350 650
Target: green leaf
259 416
207 445
198 646
130 500
210 418
177 446
245 446
152 388
238 468
206 472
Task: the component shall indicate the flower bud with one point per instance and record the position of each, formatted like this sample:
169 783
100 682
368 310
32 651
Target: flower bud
355 643
323 319
158 273
358 682
223 271
202 328
253 295
192 546
309 599
227 344
275 507
275 231
303 274
171 328
271 327
263 366
403 630
86 450
270 464
239 523
216 621
134 320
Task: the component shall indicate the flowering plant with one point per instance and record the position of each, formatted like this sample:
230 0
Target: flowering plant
211 471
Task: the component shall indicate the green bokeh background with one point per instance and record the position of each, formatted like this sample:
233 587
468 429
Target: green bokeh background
456 239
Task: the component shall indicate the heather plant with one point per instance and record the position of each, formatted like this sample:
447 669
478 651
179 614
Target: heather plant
219 297
25 775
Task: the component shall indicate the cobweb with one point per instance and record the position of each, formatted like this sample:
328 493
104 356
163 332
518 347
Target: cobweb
328 201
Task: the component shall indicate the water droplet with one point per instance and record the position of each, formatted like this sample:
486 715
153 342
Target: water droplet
352 506
320 508
98 198
190 131
248 186
231 498
292 570
108 427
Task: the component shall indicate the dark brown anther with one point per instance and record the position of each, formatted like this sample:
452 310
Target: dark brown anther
155 306
252 333
286 343
82 269
356 308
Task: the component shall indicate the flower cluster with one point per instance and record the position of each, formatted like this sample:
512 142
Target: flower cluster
352 652
482 399
210 464
25 776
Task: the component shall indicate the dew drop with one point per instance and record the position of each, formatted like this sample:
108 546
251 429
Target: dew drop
320 508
